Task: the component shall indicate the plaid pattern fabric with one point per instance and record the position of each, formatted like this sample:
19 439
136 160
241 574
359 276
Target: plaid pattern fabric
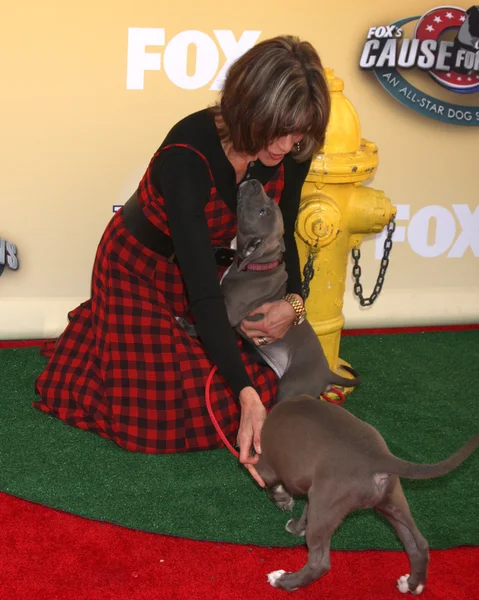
124 368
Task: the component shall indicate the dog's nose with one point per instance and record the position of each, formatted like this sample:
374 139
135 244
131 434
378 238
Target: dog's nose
249 188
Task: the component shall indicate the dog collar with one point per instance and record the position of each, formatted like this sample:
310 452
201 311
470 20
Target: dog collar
260 266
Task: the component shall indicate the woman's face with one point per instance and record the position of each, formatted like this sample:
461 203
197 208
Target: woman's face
275 152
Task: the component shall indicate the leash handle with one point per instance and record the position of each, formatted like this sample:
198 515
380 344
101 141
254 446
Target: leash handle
338 393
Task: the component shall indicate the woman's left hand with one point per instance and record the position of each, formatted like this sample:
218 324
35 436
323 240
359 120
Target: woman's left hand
278 318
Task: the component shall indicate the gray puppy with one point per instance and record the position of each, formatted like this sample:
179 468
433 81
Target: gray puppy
315 448
298 358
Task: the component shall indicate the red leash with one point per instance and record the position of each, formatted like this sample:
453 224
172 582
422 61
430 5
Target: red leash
216 424
212 416
338 393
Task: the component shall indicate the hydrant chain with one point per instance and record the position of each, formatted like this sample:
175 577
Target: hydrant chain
356 253
308 273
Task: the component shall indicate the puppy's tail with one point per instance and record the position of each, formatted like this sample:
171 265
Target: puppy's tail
394 465
345 381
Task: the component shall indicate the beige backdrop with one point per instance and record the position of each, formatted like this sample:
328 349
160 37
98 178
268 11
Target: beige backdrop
76 142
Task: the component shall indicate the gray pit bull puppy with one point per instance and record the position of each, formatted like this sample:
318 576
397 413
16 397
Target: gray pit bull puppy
298 358
315 448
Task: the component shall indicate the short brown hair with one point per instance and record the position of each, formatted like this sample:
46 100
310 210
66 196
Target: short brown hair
276 88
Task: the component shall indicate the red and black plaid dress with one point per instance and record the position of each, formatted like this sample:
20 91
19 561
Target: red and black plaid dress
124 368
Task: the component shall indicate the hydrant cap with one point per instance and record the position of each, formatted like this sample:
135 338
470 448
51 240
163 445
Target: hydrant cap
345 156
344 130
334 83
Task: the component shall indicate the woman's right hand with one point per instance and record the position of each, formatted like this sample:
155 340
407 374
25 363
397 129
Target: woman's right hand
252 417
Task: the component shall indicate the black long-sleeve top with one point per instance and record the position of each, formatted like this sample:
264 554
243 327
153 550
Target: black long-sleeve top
181 176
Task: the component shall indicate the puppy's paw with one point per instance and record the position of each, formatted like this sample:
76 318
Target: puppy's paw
274 576
287 504
403 586
294 527
283 579
282 498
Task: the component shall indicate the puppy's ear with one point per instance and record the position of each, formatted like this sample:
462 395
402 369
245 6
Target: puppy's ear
252 250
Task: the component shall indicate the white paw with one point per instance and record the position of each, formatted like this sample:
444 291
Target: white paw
404 588
419 589
402 584
287 506
274 576
294 531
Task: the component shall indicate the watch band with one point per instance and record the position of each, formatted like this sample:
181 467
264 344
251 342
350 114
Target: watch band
298 308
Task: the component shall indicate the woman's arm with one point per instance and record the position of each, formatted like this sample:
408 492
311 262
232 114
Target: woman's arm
183 179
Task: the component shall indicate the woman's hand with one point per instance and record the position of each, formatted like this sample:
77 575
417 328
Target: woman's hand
278 318
253 414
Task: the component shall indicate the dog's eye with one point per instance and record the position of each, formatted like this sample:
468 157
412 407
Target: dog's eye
261 212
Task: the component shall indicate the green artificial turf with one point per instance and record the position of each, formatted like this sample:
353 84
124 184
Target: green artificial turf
419 390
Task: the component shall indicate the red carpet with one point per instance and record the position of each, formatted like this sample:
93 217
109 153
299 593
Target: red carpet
50 555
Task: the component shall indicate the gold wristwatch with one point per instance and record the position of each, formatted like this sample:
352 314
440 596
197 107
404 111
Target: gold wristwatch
298 308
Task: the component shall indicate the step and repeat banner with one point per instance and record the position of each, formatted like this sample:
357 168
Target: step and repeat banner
90 90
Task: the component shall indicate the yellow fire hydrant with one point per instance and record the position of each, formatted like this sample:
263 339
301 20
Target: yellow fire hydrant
335 213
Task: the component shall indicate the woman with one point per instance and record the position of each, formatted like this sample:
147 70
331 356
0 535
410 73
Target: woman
125 368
